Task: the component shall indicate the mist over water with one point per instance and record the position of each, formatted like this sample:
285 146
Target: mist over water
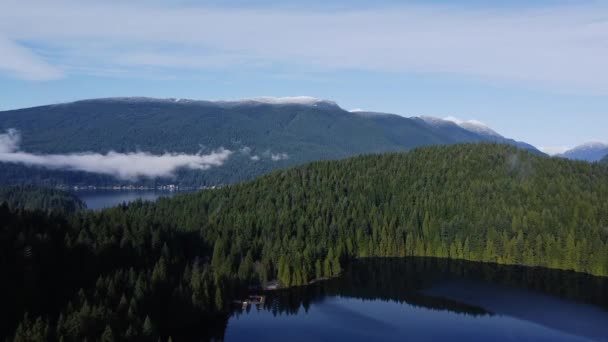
125 166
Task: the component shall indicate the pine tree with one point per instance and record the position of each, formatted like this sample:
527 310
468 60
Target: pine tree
107 335
148 328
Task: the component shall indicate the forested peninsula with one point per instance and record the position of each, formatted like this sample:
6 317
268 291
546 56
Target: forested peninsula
148 270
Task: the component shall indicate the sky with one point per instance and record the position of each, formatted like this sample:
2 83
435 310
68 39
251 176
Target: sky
535 71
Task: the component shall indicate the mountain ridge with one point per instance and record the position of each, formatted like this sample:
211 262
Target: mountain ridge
591 152
293 130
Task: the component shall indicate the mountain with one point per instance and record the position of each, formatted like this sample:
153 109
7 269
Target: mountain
590 152
479 129
264 134
604 161
165 267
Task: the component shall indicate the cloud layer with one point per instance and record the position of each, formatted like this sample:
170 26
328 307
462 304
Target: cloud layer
23 63
557 46
127 166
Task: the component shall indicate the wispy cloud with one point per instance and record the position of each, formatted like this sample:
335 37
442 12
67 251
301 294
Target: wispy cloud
24 64
120 165
274 156
9 141
563 46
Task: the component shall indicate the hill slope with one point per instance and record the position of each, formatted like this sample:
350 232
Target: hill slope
478 202
266 134
32 198
165 267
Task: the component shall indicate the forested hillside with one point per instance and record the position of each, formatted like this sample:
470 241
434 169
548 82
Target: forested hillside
263 136
30 198
477 202
158 269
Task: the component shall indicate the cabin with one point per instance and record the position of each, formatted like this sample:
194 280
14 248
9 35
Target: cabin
251 300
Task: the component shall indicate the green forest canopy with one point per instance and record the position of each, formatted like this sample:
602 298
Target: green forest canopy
121 268
34 197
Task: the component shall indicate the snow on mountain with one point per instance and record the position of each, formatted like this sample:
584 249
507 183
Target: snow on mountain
592 152
591 146
268 100
297 100
431 120
474 126
303 100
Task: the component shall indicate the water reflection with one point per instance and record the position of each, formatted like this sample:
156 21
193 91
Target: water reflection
393 299
101 199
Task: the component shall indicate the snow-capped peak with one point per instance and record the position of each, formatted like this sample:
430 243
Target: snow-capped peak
435 121
591 151
591 146
470 125
301 100
473 126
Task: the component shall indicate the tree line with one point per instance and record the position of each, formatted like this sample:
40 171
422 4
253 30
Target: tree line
153 270
35 197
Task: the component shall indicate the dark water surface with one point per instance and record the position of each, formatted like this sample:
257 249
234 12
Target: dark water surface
426 299
100 199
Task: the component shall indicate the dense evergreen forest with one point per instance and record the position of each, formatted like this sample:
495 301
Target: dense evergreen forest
32 197
149 270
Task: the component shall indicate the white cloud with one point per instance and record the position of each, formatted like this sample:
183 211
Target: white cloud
275 156
245 150
557 46
22 63
121 165
9 142
279 156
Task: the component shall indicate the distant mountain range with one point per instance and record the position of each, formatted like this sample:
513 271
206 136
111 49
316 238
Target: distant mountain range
263 134
591 152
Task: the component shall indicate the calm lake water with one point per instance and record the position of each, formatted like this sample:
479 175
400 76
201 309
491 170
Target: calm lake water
100 199
425 299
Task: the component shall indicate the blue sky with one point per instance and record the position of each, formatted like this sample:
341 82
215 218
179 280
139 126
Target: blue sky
532 70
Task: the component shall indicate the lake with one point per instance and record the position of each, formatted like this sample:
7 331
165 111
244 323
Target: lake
100 199
427 299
